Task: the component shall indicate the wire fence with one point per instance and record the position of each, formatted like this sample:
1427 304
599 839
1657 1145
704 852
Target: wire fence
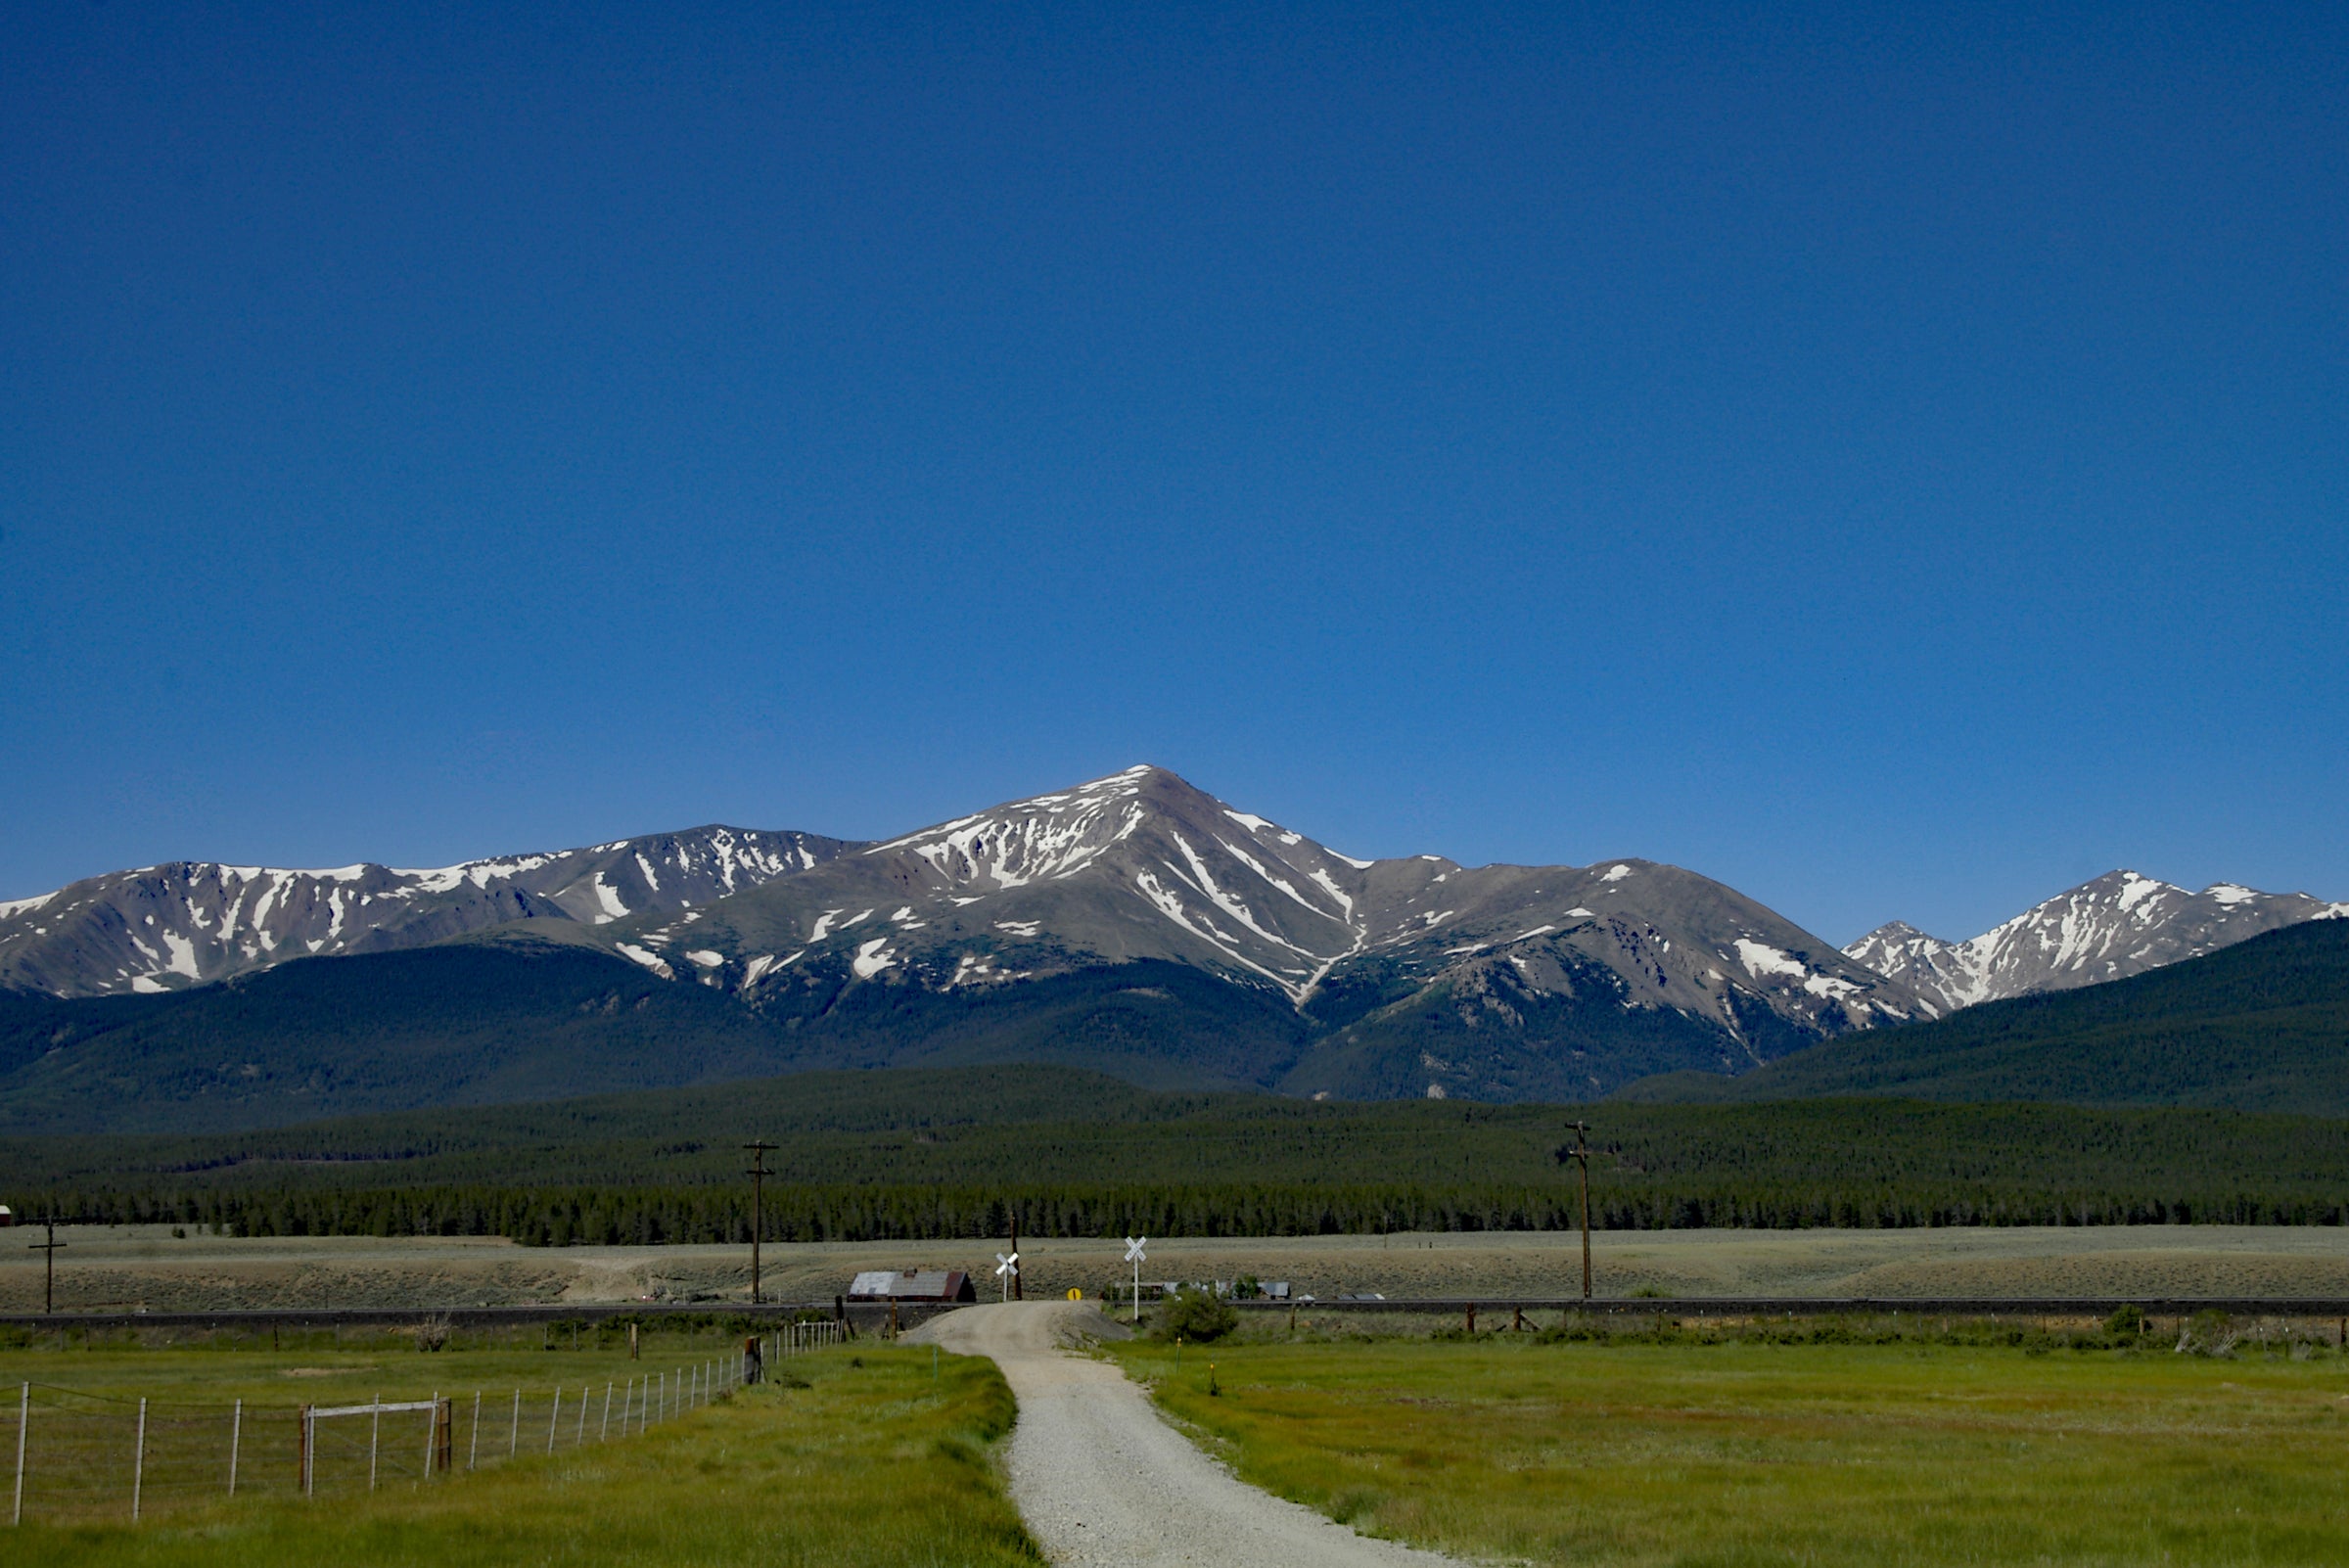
77 1457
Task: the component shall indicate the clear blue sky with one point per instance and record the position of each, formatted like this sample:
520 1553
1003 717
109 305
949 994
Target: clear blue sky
1893 458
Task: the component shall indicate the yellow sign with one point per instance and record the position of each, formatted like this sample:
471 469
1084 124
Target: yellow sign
1074 1294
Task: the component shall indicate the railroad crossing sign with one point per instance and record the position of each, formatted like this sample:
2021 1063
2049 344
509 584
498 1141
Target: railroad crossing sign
1074 1294
1008 1266
1135 1255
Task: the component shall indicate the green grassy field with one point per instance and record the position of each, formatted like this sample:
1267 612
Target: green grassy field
1744 1452
860 1454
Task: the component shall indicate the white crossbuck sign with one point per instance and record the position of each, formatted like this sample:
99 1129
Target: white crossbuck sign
1007 1265
1135 1255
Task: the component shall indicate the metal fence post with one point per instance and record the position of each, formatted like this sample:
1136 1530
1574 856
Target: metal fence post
138 1463
431 1434
472 1453
514 1438
375 1438
236 1439
554 1419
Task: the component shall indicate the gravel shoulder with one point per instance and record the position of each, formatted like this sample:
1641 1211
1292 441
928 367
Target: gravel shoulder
1101 1478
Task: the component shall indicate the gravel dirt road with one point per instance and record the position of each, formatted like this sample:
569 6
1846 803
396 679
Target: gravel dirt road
1102 1480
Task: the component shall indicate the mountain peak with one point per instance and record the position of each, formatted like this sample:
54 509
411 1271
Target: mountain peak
2122 923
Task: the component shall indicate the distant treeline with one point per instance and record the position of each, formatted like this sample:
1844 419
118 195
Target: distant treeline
914 1155
644 1215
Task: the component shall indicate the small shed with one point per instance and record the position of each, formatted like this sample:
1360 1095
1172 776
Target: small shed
912 1285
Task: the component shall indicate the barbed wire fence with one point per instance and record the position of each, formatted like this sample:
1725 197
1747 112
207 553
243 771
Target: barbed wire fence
77 1456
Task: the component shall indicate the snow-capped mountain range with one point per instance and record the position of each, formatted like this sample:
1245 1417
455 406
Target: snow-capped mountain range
2121 924
167 927
1404 975
1142 866
1357 977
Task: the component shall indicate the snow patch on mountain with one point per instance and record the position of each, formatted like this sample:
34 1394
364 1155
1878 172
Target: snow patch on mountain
651 960
1761 959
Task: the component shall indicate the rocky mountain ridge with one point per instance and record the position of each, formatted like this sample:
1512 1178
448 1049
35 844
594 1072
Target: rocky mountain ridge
1142 867
187 923
2120 924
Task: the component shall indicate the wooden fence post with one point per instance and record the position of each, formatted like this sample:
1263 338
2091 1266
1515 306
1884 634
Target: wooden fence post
24 1419
138 1463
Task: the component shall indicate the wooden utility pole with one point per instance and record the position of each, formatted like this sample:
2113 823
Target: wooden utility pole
1581 1154
49 1270
758 1173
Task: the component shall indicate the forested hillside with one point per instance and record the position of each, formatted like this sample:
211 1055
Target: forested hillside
506 1020
2261 1026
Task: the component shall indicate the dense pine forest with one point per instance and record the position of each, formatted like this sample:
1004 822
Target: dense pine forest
881 1155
